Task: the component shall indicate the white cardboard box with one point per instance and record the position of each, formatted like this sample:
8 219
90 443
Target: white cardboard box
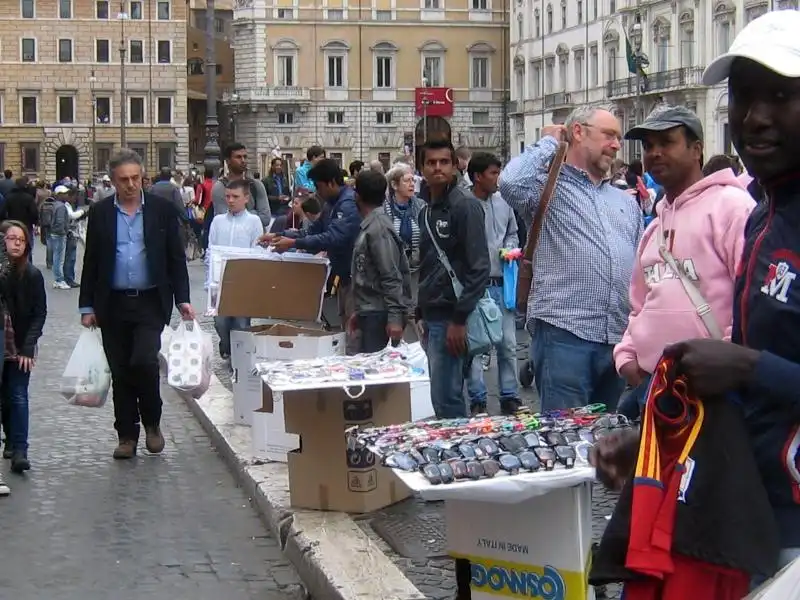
421 405
539 548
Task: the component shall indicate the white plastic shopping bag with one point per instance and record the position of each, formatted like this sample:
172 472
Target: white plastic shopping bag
166 336
87 378
189 359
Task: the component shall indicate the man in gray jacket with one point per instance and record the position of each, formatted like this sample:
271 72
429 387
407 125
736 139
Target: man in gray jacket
236 158
164 188
501 233
381 281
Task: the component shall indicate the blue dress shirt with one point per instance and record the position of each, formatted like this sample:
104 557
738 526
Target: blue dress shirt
131 271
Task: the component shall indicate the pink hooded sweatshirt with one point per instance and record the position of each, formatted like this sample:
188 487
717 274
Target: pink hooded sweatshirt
707 231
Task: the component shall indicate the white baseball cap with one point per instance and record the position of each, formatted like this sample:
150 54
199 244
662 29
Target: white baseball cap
771 40
61 189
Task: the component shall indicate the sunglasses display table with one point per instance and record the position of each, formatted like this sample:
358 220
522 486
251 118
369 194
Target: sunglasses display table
526 536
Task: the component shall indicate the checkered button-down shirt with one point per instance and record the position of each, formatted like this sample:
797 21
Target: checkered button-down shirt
584 261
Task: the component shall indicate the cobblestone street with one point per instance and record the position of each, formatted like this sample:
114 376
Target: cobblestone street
80 526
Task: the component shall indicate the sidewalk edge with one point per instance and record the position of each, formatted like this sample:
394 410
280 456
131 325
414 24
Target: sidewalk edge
334 558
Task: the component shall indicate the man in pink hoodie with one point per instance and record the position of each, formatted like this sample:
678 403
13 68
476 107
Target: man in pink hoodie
700 224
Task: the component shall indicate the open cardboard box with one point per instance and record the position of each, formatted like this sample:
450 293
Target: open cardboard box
323 473
273 289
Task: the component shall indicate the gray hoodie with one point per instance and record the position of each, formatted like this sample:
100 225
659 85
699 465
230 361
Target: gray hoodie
501 230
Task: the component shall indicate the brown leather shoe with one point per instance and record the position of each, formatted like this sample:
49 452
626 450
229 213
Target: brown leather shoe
154 440
125 450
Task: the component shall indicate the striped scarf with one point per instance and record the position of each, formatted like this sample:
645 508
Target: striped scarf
412 251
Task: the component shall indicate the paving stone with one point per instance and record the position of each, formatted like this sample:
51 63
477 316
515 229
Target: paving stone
80 526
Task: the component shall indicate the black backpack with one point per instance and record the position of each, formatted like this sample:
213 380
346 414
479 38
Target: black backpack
46 213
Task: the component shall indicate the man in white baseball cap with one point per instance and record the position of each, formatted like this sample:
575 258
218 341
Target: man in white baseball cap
759 368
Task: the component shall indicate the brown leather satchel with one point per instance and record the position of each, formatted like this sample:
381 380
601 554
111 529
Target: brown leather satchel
525 278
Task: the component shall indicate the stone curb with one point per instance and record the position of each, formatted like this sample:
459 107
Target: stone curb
335 559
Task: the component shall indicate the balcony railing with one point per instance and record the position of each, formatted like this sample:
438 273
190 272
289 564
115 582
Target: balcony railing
660 81
271 94
558 100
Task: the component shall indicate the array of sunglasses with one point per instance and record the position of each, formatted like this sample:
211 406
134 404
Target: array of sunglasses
387 364
448 451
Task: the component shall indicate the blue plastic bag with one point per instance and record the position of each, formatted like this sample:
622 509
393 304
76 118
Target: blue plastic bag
510 276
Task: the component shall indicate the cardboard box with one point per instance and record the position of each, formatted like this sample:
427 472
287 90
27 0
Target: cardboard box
421 404
535 549
270 443
323 473
286 287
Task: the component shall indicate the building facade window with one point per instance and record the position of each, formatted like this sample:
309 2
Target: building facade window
29 157
579 70
103 156
580 12
101 9
480 72
102 51
686 22
594 67
164 55
137 11
753 12
28 9
480 5
480 117
28 48
549 19
163 10
335 14
102 109
136 110
563 73
336 84
66 110
661 33
285 118
432 64
285 52
383 15
64 9
65 51
140 149
563 14
383 117
536 79
136 52
723 24
164 110
335 117
549 75
537 19
29 110
166 155
383 72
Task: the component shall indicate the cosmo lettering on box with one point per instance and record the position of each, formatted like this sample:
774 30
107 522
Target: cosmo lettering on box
513 580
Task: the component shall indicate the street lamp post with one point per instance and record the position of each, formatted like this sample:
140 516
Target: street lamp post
211 150
636 34
425 103
92 80
234 115
123 108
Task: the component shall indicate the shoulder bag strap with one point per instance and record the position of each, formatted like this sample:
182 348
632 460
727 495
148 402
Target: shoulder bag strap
544 201
703 309
457 287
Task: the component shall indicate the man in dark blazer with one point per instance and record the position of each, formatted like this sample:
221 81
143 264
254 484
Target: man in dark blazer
133 269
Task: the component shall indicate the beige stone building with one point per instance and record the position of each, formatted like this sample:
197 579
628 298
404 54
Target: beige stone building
344 74
63 105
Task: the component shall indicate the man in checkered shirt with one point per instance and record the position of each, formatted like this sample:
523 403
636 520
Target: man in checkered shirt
578 307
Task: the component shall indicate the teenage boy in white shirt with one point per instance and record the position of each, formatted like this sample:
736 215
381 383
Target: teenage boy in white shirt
236 228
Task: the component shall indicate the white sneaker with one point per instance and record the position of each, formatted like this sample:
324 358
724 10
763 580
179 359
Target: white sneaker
4 489
61 285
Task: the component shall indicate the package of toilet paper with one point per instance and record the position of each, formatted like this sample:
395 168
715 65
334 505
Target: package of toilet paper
87 379
189 359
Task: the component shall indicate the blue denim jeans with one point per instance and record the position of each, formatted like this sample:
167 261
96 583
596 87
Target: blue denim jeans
14 396
572 372
224 326
506 358
632 403
446 373
70 257
58 246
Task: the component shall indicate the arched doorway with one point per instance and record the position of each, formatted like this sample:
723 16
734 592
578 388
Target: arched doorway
67 162
438 129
